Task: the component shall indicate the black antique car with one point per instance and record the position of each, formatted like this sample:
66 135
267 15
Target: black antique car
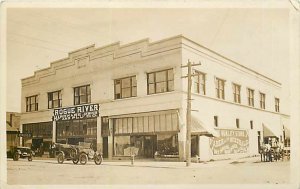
20 152
78 153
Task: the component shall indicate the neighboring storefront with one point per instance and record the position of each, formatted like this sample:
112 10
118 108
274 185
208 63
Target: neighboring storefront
40 137
76 124
147 135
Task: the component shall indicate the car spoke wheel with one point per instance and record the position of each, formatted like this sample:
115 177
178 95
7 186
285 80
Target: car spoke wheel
83 158
16 157
75 160
30 157
98 159
60 158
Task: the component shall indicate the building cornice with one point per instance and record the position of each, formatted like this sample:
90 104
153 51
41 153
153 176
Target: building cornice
142 48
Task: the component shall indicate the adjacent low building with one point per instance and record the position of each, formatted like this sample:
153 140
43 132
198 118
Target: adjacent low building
12 130
132 99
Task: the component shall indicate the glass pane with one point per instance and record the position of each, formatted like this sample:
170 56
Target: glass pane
167 145
82 90
83 99
171 86
151 123
133 91
117 88
126 82
163 122
55 103
76 100
135 125
160 76
89 98
175 122
146 124
170 75
151 89
133 80
55 95
169 122
120 125
124 125
129 125
156 123
76 90
161 87
140 124
88 89
121 145
151 78
126 92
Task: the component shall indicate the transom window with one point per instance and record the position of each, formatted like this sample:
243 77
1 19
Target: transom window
262 101
220 88
199 82
276 104
236 93
32 103
125 87
161 81
82 95
250 97
54 99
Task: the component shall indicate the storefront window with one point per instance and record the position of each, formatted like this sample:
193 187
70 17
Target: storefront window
167 145
121 145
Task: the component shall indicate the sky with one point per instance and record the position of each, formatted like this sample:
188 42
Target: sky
256 38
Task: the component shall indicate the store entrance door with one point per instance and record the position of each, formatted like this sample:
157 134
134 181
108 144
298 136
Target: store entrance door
149 144
75 140
105 147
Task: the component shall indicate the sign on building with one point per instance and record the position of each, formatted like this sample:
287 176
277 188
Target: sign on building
76 112
230 142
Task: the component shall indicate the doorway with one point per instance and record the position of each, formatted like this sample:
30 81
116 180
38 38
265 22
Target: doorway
105 147
194 145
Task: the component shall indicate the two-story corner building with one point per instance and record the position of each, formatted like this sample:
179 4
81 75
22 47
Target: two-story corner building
133 98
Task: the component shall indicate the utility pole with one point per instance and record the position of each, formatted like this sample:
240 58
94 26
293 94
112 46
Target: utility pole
188 112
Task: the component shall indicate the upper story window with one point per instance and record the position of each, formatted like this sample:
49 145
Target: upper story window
276 104
32 103
236 93
262 101
216 121
161 81
220 88
237 123
199 82
54 99
82 95
250 97
125 87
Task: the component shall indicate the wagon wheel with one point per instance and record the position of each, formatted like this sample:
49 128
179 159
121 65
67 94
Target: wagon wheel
75 160
60 158
83 158
16 156
98 159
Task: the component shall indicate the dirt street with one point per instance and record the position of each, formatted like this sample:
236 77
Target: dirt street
244 171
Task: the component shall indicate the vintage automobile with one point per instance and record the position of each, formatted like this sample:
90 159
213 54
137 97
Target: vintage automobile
21 152
78 153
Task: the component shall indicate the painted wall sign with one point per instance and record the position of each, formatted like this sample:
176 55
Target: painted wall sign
76 112
28 135
230 142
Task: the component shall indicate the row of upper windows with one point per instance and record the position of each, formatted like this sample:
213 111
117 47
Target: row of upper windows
200 87
157 82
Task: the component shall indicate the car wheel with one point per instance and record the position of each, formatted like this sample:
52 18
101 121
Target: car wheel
75 160
30 157
60 158
16 156
98 159
83 158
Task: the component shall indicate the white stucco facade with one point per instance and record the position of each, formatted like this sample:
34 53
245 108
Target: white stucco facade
99 67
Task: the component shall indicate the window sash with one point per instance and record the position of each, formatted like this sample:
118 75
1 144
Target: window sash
82 95
125 87
54 99
32 103
160 81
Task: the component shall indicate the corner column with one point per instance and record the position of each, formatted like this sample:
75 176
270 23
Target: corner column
182 135
110 138
99 137
54 131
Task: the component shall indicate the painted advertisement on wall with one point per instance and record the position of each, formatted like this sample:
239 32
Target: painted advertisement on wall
230 142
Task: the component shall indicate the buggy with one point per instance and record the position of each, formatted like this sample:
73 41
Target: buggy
78 153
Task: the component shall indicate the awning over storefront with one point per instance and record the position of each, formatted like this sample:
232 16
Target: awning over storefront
198 127
267 131
11 130
287 132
